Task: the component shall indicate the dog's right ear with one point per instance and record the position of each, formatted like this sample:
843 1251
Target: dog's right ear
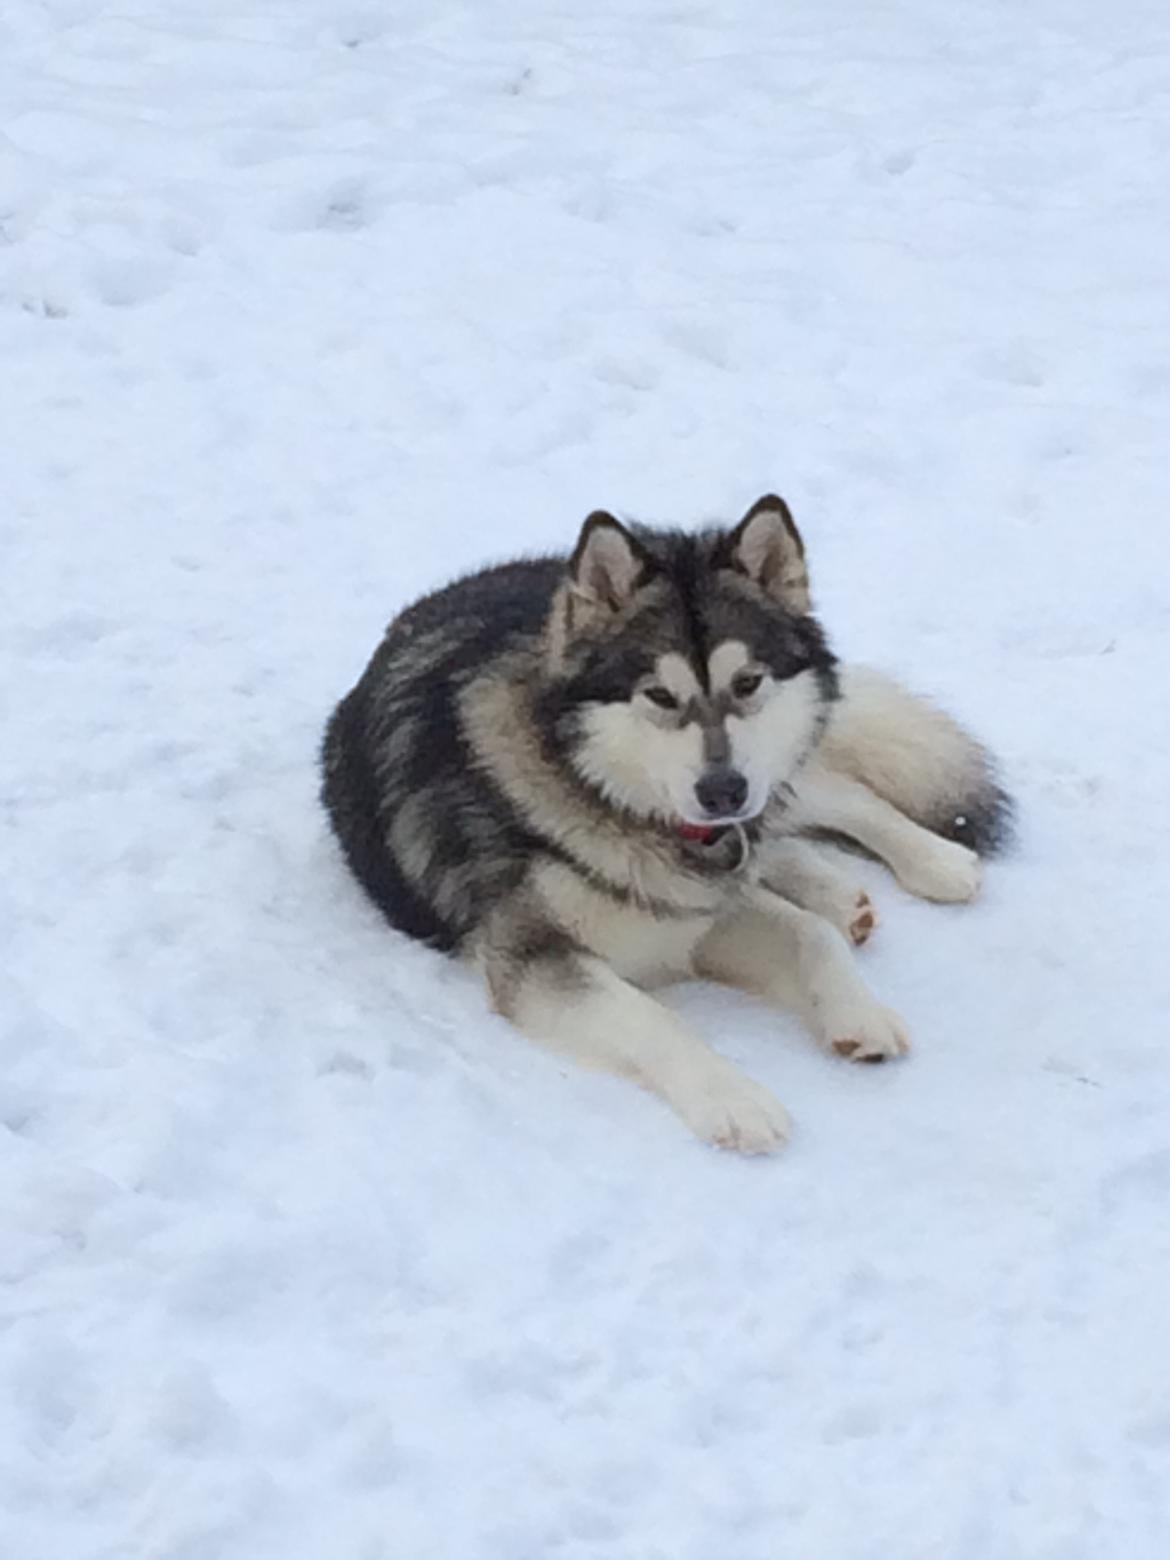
607 565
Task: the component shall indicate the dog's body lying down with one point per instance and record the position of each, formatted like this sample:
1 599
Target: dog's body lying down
593 775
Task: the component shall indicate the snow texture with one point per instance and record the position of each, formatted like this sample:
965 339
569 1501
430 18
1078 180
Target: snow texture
304 307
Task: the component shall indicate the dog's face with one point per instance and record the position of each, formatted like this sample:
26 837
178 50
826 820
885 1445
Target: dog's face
690 680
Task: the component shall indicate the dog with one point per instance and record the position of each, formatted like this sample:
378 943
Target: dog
595 774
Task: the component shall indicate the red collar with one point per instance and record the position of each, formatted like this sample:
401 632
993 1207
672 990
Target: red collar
711 837
703 832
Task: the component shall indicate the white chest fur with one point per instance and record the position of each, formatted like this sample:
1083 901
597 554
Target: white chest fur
637 944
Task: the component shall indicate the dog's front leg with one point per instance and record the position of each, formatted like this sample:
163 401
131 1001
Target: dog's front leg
572 1002
797 961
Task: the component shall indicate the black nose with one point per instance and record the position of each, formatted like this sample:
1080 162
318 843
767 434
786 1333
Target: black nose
721 792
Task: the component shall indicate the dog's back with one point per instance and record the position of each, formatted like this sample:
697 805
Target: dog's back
429 837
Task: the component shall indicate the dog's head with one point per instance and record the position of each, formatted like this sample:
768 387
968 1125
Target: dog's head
688 678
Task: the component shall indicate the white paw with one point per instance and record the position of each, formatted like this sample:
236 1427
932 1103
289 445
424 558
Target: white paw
848 908
729 1109
868 1034
947 873
856 917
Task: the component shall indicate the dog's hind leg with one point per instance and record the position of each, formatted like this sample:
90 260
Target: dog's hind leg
807 874
924 863
796 960
567 999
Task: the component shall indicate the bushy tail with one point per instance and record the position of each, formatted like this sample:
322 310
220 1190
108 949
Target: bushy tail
919 759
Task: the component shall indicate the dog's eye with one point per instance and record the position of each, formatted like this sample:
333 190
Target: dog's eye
746 684
663 697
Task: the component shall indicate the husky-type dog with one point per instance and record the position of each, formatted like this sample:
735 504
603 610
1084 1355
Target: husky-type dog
589 776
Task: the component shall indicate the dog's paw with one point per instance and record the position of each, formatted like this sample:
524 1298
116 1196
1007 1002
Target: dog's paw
947 873
871 1034
862 920
848 908
730 1110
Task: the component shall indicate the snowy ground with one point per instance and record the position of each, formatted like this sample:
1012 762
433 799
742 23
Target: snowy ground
303 306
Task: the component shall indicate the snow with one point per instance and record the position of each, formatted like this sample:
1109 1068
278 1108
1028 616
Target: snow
302 308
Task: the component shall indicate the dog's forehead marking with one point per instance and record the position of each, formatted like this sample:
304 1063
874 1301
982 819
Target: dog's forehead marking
727 658
678 675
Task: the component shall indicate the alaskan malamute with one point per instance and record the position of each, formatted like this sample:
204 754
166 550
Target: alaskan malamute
592 775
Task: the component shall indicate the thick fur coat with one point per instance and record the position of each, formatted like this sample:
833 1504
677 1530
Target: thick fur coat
594 774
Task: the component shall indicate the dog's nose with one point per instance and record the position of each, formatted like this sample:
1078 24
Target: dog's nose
721 792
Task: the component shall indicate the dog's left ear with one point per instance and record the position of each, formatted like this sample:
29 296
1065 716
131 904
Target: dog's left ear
766 546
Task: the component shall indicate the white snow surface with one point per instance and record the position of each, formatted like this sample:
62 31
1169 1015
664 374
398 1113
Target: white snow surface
303 308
